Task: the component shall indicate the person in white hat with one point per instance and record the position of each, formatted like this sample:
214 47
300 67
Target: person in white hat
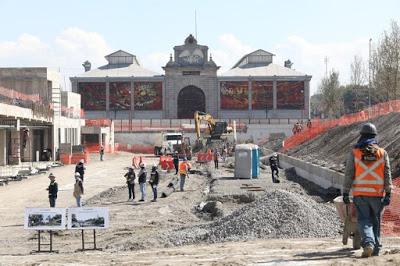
78 189
53 190
142 180
154 180
80 168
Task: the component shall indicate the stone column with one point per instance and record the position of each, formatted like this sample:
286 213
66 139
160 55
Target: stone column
15 157
274 95
250 96
307 99
108 98
3 148
218 99
132 99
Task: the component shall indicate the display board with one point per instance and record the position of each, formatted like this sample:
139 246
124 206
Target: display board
45 218
120 95
234 95
148 95
262 95
88 218
93 95
290 95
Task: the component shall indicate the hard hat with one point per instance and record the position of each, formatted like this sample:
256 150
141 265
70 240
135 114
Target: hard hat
82 161
77 174
155 165
142 165
368 129
51 175
275 154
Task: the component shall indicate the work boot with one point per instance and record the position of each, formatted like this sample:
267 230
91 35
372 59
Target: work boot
367 252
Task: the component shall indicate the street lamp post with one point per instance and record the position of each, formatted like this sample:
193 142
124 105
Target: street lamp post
369 78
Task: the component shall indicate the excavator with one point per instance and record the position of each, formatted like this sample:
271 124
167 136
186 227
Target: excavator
215 131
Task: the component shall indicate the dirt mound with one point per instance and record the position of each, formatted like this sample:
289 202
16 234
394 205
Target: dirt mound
331 148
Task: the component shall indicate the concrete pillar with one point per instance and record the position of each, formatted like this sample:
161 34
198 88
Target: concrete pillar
218 99
108 98
250 96
274 95
133 99
15 157
307 99
3 147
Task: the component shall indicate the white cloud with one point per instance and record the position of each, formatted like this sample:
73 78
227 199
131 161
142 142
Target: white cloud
155 61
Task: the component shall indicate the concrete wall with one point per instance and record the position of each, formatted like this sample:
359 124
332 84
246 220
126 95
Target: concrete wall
319 175
3 148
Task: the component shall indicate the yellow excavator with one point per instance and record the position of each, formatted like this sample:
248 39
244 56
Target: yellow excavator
216 130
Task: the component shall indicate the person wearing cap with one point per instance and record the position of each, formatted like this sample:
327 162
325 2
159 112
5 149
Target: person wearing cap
368 177
78 189
176 162
101 152
130 181
216 156
274 165
142 181
154 180
80 168
53 190
184 168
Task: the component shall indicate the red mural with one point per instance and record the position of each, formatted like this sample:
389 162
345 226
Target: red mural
120 95
290 94
234 95
262 95
148 95
93 95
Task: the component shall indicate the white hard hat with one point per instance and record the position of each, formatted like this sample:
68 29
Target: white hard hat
77 174
82 161
142 165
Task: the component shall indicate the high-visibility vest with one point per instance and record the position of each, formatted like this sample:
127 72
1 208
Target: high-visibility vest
183 167
369 175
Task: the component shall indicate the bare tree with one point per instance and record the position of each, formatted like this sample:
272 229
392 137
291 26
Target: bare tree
331 96
358 71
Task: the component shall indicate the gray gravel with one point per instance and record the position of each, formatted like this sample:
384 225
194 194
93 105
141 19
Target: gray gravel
278 214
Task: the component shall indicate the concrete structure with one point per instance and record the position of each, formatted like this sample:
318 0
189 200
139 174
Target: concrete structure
94 136
31 115
254 88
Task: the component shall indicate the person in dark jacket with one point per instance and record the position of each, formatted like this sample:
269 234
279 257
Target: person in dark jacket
142 180
101 152
154 180
274 164
176 162
130 181
80 168
53 190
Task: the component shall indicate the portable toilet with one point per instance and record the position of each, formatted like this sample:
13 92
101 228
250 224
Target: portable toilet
243 161
255 161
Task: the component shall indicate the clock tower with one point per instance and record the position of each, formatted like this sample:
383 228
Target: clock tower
190 81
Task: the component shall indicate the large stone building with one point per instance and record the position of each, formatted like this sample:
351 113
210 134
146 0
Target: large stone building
254 88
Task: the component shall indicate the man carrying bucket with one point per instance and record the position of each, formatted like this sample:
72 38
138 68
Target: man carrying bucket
369 178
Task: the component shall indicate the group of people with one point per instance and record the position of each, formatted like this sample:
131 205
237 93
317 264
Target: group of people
298 127
142 180
78 186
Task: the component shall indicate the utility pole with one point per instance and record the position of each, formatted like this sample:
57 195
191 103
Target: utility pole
369 78
195 23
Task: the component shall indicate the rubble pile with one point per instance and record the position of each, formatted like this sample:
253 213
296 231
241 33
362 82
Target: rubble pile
278 214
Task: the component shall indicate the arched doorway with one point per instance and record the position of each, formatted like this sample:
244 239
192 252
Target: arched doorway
190 99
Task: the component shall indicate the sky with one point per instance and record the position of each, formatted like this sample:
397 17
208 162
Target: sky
61 35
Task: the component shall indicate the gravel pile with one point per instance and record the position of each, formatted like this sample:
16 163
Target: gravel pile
278 214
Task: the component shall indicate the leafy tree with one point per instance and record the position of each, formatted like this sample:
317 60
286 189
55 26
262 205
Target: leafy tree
331 96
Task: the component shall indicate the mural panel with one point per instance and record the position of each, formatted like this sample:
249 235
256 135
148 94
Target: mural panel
120 95
290 95
262 95
93 95
148 95
234 95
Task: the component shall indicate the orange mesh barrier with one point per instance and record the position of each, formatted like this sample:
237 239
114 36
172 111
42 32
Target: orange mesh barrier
135 148
391 215
95 148
98 122
320 126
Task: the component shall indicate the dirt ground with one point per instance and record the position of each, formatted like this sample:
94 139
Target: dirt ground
134 225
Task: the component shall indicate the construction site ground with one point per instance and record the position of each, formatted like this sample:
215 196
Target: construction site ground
137 230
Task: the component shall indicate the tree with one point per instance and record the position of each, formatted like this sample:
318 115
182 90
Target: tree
331 96
358 72
385 65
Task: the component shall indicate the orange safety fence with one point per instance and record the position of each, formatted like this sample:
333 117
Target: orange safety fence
166 162
320 126
74 158
95 148
391 214
134 148
98 122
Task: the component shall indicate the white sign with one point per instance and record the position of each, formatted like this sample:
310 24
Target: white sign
88 218
45 218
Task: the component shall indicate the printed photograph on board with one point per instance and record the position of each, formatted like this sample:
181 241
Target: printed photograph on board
45 218
234 95
148 95
88 218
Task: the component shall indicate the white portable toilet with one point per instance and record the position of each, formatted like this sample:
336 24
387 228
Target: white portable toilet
243 161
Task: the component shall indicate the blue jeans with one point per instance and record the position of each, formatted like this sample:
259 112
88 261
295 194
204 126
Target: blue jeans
78 201
182 183
369 210
52 202
143 190
154 187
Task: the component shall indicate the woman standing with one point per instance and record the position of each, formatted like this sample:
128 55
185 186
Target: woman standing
78 189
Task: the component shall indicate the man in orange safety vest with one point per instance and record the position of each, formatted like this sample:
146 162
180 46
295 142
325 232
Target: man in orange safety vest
184 168
369 178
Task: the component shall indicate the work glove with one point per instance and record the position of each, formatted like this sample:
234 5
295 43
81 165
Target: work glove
386 199
346 198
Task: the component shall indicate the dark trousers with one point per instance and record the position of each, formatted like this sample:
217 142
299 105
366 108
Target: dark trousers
131 190
52 202
176 168
275 173
154 187
216 164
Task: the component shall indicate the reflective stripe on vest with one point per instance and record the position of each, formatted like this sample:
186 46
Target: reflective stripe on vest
368 177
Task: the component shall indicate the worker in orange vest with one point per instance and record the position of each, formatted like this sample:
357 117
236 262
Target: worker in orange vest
369 178
184 168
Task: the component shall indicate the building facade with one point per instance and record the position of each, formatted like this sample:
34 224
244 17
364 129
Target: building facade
255 87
